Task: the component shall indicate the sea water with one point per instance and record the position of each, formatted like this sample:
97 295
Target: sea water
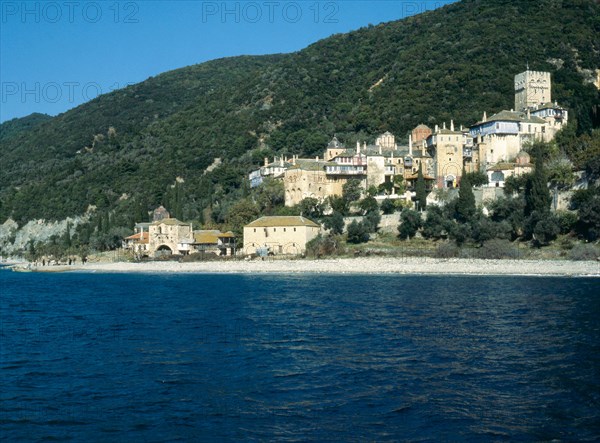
118 357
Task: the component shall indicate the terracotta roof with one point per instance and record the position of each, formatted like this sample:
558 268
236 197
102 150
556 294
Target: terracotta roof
276 221
140 237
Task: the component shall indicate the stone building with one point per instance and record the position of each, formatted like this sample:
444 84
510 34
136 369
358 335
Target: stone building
446 147
498 173
274 169
160 213
501 137
211 241
532 88
334 148
309 178
420 133
279 235
386 141
168 236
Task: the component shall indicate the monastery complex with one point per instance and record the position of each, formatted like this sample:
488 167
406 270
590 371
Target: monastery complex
494 145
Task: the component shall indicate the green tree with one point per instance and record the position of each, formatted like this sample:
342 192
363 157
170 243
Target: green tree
410 224
560 173
371 220
477 178
515 184
269 195
386 187
546 229
335 223
465 205
399 185
537 194
351 191
388 206
66 238
368 204
311 207
357 233
337 204
587 203
509 210
240 214
436 225
421 197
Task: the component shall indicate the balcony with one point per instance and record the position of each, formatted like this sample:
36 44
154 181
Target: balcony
345 170
467 153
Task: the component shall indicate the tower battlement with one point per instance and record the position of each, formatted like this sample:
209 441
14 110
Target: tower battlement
532 88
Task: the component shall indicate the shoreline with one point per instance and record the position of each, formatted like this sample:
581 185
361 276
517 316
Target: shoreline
344 266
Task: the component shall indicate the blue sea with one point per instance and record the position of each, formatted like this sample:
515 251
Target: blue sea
124 357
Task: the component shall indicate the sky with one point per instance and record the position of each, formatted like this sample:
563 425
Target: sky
55 55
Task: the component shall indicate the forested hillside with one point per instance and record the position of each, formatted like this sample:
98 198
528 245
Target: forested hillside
123 151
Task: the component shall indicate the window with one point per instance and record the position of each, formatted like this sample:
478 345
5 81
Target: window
294 229
254 229
274 229
284 230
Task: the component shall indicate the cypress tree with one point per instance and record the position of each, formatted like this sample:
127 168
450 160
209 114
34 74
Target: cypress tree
421 197
537 194
465 206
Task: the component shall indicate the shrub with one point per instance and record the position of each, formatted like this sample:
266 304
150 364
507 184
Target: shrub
335 223
460 233
546 230
483 229
447 250
323 246
371 221
411 222
388 206
357 233
584 252
566 221
368 204
436 225
497 249
477 178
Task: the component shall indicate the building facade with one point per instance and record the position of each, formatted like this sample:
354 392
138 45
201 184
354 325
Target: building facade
448 148
168 236
532 88
279 235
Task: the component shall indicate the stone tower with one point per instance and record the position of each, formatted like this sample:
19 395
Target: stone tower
532 88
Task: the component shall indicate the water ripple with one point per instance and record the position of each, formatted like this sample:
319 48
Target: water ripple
328 358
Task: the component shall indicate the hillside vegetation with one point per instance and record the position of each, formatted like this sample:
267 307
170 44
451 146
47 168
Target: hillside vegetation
124 152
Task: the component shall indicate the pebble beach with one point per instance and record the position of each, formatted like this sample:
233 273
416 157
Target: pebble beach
366 265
